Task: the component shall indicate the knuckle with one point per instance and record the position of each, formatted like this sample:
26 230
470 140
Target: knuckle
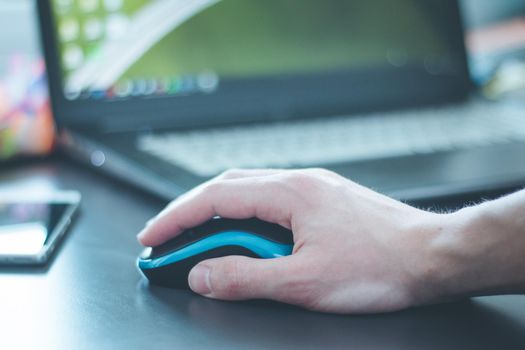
306 181
227 281
301 178
322 172
213 187
231 174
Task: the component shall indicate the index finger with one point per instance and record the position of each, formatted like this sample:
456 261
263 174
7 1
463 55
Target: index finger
243 198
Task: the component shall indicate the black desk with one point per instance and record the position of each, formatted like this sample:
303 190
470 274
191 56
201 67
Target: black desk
91 296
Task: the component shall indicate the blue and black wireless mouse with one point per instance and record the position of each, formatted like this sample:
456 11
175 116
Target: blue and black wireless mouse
169 264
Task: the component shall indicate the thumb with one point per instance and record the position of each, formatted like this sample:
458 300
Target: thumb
239 278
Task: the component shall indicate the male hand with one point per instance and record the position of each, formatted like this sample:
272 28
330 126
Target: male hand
355 251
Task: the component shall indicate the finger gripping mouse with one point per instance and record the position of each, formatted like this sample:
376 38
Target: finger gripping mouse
169 264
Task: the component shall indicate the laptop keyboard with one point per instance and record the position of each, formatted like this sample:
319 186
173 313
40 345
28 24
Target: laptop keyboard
326 141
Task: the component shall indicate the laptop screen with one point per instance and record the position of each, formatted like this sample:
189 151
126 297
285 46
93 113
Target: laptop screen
180 50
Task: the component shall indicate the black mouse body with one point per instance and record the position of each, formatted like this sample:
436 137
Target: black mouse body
169 264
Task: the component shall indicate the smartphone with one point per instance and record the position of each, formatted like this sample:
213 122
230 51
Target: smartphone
31 226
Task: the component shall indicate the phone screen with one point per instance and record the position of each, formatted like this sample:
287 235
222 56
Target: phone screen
26 227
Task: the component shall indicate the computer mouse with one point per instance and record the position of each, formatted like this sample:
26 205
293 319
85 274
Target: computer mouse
169 264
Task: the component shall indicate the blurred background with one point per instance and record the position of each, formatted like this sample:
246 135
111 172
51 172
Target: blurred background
495 37
25 118
479 13
496 41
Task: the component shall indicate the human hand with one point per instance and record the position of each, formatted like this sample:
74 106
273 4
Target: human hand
355 251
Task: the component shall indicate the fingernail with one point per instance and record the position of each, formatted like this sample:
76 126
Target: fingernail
199 279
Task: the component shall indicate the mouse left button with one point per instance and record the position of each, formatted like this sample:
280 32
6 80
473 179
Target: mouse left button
146 253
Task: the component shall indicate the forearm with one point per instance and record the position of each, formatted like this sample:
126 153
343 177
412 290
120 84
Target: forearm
482 249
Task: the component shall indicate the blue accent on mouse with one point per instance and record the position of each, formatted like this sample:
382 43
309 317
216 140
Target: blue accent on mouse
170 263
262 247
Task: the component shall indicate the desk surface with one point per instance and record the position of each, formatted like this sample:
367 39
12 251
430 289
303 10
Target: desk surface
92 296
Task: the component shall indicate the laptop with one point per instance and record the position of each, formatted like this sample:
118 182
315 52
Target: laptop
168 93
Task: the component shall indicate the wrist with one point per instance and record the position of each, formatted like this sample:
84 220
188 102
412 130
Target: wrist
473 252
